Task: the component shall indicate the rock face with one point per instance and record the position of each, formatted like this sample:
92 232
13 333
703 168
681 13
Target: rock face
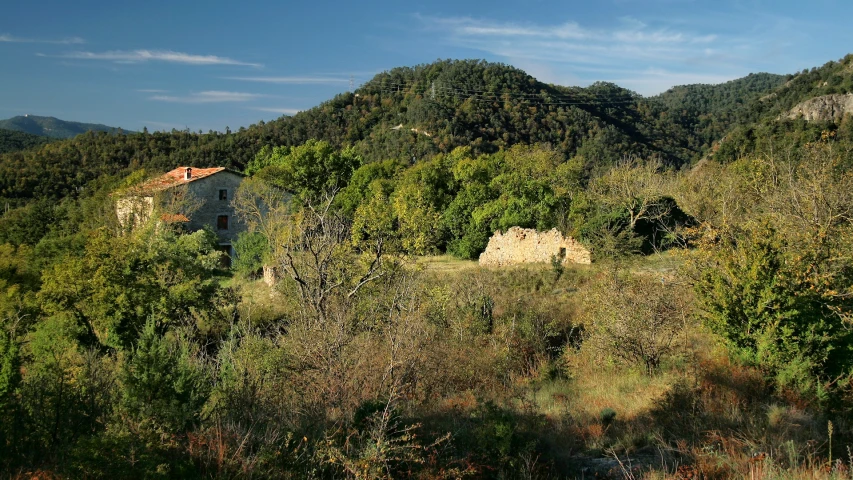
525 245
825 108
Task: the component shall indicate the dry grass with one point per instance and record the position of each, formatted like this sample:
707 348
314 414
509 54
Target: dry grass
700 416
446 264
259 304
664 264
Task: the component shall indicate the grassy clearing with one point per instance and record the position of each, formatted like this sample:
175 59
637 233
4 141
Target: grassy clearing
259 304
446 264
702 415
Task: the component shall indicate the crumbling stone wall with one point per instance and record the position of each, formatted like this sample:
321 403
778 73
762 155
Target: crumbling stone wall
133 211
525 245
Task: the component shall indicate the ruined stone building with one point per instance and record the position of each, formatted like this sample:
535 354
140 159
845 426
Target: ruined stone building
196 198
525 245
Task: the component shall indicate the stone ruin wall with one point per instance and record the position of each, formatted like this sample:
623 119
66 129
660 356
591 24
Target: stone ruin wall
271 276
525 245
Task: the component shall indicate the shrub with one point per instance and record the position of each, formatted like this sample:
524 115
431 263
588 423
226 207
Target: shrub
635 319
251 250
765 304
160 385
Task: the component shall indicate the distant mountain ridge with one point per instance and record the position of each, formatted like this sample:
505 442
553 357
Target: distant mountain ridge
53 127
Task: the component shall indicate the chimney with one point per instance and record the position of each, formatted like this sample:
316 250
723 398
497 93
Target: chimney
188 173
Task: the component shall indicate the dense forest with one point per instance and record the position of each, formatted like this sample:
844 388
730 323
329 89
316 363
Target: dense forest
710 338
406 114
13 141
709 111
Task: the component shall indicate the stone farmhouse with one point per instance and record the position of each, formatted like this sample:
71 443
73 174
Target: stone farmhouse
195 198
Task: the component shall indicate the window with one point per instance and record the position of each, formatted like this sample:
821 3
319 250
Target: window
223 194
222 222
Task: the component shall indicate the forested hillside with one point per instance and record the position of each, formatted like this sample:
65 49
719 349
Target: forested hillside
406 114
13 141
412 113
709 111
763 126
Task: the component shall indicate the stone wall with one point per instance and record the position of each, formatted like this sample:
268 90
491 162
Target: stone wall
133 211
205 193
525 245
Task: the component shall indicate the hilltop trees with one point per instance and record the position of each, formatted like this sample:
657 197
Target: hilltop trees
13 141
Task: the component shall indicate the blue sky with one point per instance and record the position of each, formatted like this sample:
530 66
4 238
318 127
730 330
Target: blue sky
208 65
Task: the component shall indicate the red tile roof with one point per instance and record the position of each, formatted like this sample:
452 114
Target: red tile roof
174 178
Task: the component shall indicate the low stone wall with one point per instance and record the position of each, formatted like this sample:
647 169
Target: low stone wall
525 245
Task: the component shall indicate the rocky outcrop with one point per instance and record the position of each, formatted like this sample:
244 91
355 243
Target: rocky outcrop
825 108
524 245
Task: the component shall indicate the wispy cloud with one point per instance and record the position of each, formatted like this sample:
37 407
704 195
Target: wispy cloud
651 55
210 96
151 90
468 26
281 110
5 37
570 42
169 56
292 80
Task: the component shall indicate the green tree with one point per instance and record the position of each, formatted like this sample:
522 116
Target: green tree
252 249
419 222
51 388
120 281
360 187
762 301
375 222
161 385
312 169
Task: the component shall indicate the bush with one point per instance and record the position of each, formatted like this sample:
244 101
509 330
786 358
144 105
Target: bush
160 385
635 319
251 249
765 304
